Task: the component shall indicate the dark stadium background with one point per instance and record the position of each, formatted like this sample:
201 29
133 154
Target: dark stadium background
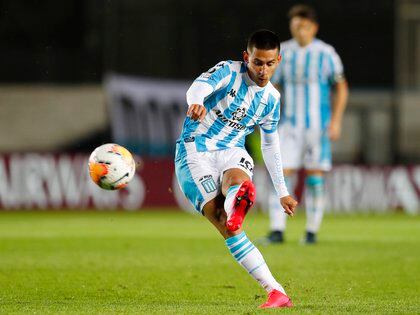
79 41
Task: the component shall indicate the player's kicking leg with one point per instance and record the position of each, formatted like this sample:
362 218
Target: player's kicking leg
241 248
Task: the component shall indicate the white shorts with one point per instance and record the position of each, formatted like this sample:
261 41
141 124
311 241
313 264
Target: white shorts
305 148
200 174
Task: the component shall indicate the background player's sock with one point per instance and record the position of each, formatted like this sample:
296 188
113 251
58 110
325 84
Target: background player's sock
229 200
246 254
276 212
314 202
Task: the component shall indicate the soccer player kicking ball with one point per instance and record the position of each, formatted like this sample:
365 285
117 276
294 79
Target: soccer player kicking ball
212 166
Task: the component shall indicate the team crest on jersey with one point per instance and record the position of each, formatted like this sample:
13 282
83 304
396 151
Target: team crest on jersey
208 183
238 114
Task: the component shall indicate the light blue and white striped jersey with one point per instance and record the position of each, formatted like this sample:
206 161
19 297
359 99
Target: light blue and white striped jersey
306 75
236 105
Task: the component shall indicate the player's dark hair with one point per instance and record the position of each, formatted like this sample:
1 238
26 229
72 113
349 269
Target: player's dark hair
303 11
263 39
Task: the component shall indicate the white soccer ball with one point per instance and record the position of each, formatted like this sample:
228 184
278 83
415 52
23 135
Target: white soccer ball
111 166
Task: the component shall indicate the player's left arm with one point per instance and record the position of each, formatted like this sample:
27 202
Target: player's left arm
270 147
341 94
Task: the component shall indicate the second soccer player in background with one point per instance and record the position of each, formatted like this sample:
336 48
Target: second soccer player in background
309 69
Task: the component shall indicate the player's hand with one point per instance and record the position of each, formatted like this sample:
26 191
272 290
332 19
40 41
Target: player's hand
289 204
196 112
334 130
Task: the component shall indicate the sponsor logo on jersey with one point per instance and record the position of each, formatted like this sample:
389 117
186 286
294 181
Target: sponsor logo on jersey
238 114
230 123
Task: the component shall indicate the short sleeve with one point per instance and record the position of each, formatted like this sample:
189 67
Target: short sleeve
335 65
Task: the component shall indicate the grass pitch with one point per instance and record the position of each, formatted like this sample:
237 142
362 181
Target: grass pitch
176 263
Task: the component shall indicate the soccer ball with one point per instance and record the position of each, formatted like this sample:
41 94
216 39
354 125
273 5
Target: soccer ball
111 166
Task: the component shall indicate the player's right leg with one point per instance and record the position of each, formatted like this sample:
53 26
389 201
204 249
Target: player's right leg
200 183
246 254
236 167
240 197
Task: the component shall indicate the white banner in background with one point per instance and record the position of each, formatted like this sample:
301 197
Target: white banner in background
146 112
379 189
360 189
43 181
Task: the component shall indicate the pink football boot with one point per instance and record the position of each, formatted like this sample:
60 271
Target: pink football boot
276 299
244 200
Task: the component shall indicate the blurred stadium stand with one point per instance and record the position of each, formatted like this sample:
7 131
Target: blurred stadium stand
49 118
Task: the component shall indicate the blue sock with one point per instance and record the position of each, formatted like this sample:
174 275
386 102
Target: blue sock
314 201
230 198
249 257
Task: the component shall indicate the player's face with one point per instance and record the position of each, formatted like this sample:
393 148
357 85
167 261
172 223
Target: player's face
303 30
261 64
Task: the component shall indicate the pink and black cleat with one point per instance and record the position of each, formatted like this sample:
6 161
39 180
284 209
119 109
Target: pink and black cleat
276 299
244 199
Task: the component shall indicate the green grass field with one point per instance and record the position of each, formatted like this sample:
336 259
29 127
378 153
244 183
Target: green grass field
176 263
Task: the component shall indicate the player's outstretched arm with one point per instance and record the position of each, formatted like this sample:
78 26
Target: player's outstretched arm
196 112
